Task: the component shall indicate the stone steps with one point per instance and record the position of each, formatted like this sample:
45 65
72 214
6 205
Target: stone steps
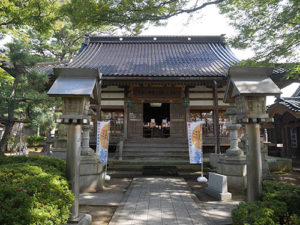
154 156
134 168
151 148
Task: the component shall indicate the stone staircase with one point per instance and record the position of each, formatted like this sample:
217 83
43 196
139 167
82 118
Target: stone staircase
155 149
154 156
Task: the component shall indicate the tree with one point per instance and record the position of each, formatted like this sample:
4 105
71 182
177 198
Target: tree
27 88
39 14
63 41
270 27
129 14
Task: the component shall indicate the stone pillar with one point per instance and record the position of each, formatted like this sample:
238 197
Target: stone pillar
73 163
254 164
233 165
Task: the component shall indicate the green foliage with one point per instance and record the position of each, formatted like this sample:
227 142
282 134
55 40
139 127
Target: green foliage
43 15
5 78
28 87
62 42
280 205
33 191
40 14
252 213
35 141
128 14
288 194
270 27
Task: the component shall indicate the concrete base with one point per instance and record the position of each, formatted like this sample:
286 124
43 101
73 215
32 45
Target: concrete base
59 153
236 171
279 164
214 159
218 195
91 174
83 219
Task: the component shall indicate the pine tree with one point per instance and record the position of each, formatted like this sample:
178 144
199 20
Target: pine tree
25 91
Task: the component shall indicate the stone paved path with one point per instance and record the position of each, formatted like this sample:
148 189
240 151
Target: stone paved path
167 201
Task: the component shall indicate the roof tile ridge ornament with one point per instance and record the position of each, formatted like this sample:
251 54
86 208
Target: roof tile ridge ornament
158 39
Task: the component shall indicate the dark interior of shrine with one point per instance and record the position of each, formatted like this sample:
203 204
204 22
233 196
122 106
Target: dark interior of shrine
154 111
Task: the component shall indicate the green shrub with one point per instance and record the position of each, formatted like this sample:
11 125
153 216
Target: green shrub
252 213
276 191
280 205
35 140
33 191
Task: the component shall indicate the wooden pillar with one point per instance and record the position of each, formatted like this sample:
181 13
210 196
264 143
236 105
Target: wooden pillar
286 142
283 141
216 117
98 106
125 113
187 109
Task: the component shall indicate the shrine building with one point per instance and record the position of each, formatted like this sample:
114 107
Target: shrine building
151 86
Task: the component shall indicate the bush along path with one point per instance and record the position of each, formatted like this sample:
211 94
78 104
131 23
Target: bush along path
33 191
280 205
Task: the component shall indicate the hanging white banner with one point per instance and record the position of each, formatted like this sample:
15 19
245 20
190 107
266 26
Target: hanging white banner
195 142
102 140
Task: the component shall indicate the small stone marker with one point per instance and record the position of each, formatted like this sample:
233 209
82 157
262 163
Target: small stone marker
217 186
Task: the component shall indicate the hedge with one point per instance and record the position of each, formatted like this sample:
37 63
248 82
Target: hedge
33 190
280 205
35 140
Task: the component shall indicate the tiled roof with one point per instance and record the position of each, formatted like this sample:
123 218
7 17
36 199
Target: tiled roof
293 105
156 56
46 67
297 92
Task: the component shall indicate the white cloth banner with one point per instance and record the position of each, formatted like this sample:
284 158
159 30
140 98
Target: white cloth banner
102 140
195 142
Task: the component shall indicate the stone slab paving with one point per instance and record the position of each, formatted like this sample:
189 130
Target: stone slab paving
101 199
168 201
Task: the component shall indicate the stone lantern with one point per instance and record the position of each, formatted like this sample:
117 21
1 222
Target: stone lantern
233 163
248 88
76 87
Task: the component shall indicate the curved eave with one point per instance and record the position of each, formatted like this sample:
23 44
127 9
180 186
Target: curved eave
156 59
281 109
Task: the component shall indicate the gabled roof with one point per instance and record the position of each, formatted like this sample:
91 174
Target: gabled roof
250 81
282 106
292 105
156 56
297 93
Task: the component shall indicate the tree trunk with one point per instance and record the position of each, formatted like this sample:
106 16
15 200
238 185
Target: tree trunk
11 114
3 142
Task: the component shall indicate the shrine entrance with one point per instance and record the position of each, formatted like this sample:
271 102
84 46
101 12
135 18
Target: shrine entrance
156 118
157 111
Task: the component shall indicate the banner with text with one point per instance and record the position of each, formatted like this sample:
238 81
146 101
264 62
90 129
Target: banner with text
195 142
102 140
